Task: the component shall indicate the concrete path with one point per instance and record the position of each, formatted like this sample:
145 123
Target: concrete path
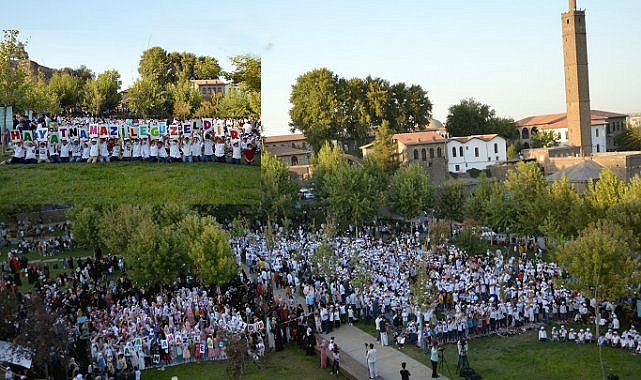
351 341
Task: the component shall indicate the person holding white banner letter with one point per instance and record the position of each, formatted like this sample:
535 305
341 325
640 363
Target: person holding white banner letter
196 149
219 151
94 152
76 150
43 153
208 148
186 148
103 150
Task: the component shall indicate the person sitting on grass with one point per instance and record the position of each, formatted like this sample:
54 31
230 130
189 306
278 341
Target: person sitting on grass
249 154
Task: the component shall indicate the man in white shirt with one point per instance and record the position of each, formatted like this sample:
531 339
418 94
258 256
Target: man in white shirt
94 152
103 150
235 153
186 149
76 150
30 153
196 149
65 151
208 147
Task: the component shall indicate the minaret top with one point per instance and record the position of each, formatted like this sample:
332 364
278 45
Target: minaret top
572 5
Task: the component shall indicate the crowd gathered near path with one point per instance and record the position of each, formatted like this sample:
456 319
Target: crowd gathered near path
282 294
227 140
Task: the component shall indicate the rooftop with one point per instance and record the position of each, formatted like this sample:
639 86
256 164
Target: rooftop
415 138
284 138
560 120
205 82
281 151
465 139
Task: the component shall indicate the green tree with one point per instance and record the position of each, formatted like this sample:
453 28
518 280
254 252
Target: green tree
328 159
207 68
511 153
469 240
148 98
247 72
121 221
475 207
629 139
627 214
315 99
156 255
450 200
186 99
85 226
565 210
604 194
544 139
601 262
528 189
411 108
236 104
212 255
411 192
154 66
384 149
353 195
13 75
278 191
471 117
68 89
40 98
102 94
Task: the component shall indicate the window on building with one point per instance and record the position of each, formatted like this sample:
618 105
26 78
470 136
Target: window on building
496 148
453 151
597 132
424 154
460 150
294 160
429 164
476 152
597 148
525 134
415 154
457 168
439 152
489 159
431 152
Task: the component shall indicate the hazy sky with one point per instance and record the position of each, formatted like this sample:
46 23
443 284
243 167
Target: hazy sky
113 34
504 53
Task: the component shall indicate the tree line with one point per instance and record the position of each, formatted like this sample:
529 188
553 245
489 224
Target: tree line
164 88
159 243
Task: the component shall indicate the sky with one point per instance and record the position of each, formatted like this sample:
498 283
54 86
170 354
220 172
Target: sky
105 35
507 54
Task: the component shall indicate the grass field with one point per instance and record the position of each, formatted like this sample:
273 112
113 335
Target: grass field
130 182
290 364
524 357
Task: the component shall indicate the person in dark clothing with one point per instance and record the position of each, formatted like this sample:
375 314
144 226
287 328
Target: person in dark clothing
405 374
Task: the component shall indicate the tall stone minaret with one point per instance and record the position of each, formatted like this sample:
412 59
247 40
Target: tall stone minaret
577 89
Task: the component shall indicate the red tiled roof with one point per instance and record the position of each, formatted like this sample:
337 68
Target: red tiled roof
284 138
559 120
465 139
280 151
418 138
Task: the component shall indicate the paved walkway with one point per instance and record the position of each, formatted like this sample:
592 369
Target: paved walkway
351 341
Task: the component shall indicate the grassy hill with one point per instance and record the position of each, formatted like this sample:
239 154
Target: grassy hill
129 182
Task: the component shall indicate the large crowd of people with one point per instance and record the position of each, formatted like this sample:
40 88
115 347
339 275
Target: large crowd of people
233 140
285 293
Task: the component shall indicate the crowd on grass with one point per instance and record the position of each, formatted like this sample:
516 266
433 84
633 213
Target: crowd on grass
199 145
503 291
116 329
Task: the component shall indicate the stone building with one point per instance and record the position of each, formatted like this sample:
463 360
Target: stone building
604 127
